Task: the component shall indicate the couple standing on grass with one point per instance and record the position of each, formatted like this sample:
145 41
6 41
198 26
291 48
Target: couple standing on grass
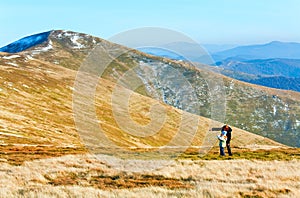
224 140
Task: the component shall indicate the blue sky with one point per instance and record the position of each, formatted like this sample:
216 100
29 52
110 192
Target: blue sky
206 21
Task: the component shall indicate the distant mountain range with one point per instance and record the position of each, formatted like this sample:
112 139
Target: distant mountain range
275 64
265 67
270 50
274 49
276 73
278 82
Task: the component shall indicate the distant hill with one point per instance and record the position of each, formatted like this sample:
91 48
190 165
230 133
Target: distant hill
190 49
214 48
162 53
278 82
276 73
265 67
273 49
193 51
275 64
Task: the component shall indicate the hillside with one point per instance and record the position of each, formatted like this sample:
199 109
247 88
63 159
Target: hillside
36 98
268 112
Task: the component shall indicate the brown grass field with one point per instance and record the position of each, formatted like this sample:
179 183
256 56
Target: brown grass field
50 172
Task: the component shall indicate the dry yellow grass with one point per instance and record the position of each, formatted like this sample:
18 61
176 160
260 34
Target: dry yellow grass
36 109
79 176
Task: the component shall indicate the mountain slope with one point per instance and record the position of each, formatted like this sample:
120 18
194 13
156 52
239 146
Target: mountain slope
39 111
268 112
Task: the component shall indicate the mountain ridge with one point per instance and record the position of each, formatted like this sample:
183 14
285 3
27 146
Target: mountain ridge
39 111
271 113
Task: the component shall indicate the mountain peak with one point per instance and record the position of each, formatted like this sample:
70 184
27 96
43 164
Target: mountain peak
42 42
275 42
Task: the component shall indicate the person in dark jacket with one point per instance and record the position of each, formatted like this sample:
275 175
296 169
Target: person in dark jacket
228 129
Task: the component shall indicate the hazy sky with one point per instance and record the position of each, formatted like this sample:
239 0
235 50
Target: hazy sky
206 21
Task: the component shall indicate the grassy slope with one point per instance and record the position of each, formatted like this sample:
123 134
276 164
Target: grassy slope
248 106
36 109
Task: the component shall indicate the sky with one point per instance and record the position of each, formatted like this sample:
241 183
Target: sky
239 22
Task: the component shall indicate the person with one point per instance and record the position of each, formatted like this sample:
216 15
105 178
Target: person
222 142
228 130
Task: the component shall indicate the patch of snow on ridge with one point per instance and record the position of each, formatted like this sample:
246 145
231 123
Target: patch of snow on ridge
297 123
28 57
77 45
274 110
47 47
43 49
13 64
67 33
10 57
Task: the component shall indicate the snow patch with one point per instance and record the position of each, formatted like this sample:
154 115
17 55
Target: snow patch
286 107
13 64
71 88
40 49
10 57
66 33
77 45
26 86
59 35
297 123
47 47
15 89
28 57
10 84
231 86
274 110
